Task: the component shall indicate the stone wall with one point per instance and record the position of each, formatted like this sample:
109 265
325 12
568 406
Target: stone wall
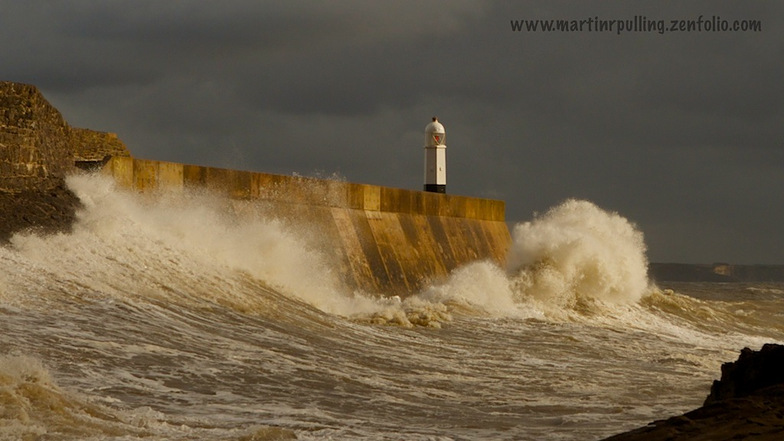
37 147
91 146
34 140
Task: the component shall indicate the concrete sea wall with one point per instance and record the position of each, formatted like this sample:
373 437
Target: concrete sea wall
388 241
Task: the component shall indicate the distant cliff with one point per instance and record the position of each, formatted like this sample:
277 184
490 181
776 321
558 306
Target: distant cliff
716 272
37 149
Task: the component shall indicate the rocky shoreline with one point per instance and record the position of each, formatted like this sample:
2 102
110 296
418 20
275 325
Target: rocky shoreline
50 210
746 404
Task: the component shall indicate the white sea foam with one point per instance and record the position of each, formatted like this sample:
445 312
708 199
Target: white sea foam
574 257
481 285
577 250
193 247
128 243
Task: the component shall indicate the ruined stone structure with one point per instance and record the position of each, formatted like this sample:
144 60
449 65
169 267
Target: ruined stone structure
34 140
90 146
37 147
37 150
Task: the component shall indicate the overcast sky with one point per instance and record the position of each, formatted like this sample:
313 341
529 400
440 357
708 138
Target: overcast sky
680 132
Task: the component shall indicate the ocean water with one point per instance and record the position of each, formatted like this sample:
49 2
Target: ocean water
166 319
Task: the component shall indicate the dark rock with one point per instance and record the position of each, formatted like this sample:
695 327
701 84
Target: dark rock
752 372
747 403
48 211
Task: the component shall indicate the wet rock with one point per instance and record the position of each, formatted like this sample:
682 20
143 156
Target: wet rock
746 404
752 372
44 211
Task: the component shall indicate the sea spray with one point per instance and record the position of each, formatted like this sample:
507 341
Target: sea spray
577 251
194 248
572 259
566 260
480 286
197 246
24 385
193 244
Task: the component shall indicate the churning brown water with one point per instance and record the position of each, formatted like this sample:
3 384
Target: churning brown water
164 320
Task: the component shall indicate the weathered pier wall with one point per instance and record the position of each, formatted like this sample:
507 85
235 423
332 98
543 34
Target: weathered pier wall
388 241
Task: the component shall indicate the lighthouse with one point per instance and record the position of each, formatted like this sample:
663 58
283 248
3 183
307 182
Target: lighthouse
435 157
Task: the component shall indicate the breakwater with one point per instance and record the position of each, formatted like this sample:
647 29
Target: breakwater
387 240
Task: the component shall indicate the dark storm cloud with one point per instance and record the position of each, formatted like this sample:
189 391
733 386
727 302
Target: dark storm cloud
679 132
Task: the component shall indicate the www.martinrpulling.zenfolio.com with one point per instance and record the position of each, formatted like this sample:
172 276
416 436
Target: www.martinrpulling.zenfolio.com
638 23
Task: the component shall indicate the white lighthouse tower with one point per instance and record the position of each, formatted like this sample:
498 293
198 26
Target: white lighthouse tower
435 157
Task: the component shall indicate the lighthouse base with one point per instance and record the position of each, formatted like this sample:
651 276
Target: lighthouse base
435 188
